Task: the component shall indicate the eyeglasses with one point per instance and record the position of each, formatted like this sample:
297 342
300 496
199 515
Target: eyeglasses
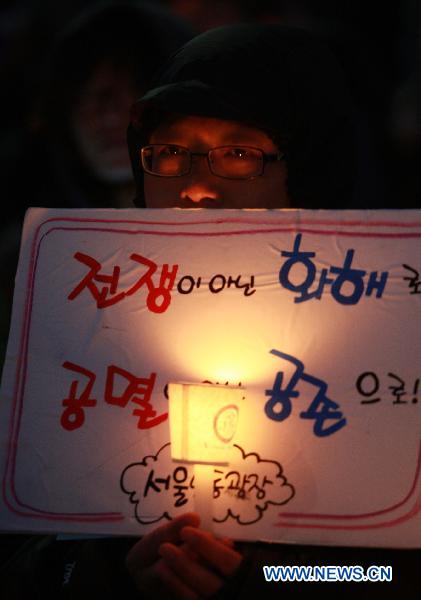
231 162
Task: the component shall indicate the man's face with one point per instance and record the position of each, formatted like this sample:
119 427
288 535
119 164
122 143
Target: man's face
201 188
98 123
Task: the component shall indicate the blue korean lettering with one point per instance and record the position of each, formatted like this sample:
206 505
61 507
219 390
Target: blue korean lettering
294 257
376 284
321 409
279 407
348 275
347 287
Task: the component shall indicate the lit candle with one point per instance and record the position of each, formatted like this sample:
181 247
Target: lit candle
203 422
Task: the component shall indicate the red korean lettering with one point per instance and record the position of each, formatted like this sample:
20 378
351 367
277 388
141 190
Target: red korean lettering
74 416
159 297
137 390
106 295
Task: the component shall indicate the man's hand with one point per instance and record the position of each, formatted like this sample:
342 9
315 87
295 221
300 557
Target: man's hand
182 560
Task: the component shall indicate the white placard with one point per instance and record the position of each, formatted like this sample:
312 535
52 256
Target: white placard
315 313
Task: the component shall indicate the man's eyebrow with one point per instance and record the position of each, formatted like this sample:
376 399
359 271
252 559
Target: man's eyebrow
237 137
234 135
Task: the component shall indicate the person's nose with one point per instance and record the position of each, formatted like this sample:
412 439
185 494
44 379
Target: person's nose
201 185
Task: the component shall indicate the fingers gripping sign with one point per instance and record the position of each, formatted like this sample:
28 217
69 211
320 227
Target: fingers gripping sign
182 559
199 566
219 553
143 559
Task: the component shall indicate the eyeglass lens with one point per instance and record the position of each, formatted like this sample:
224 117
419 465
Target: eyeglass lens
227 161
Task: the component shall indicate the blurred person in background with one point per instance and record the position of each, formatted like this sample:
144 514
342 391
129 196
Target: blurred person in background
65 147
74 153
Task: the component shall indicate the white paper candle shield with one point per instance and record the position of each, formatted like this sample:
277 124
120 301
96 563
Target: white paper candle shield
203 421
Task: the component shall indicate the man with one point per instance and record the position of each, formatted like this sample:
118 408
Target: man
242 117
279 84
246 117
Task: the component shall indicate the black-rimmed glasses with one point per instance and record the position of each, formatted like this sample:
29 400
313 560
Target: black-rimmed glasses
231 162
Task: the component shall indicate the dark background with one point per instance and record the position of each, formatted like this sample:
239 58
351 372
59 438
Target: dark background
378 44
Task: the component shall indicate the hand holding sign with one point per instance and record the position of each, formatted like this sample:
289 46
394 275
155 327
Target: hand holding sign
182 558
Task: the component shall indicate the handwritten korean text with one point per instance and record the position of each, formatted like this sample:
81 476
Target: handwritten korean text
159 294
136 389
321 409
346 288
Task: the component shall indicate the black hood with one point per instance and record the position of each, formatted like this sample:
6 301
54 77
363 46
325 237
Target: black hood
281 80
135 36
